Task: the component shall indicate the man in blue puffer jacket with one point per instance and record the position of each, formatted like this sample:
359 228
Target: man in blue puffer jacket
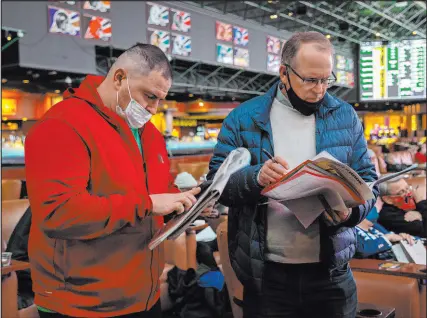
287 270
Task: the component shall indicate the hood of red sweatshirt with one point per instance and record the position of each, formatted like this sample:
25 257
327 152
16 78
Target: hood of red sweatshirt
88 92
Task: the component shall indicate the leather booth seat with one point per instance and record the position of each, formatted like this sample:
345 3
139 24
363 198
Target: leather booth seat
405 294
10 189
234 287
401 293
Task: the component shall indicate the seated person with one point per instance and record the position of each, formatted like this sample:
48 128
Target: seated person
206 238
18 246
374 241
403 211
420 156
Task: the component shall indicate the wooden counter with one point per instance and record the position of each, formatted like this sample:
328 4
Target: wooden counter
373 266
14 266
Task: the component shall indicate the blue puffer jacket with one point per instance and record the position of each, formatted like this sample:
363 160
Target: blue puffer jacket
338 131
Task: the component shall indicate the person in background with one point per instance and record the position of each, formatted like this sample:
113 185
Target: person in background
374 160
404 210
185 181
99 185
288 270
374 240
420 156
206 238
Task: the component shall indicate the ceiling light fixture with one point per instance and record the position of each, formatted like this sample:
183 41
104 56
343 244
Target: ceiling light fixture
201 104
25 81
378 34
273 16
57 91
401 4
328 36
414 32
3 80
290 14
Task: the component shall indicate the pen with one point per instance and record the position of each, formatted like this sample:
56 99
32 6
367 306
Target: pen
269 155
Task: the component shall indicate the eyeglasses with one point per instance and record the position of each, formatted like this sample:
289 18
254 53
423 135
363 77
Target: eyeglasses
404 191
312 82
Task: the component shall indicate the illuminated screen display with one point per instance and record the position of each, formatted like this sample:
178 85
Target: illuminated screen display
344 70
392 71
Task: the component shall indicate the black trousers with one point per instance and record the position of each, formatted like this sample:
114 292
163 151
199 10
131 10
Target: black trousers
303 291
154 312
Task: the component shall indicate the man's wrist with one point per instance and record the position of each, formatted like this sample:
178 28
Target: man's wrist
257 178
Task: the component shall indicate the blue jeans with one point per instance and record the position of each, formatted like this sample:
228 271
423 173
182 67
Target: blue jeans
303 290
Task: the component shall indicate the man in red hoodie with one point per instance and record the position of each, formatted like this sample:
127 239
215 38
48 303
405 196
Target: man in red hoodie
99 184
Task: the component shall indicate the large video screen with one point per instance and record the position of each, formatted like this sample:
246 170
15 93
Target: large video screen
392 71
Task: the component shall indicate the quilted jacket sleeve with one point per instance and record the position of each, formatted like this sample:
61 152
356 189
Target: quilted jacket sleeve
242 188
361 163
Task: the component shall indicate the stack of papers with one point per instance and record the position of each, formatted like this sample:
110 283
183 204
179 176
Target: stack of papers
325 176
406 253
236 160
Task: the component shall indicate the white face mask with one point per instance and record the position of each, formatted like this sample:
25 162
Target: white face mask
136 115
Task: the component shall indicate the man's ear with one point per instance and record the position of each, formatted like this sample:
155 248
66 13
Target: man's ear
283 73
386 199
118 77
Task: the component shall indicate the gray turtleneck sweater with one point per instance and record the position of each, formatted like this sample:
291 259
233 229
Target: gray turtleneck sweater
294 139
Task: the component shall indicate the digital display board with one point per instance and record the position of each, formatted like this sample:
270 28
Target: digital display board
344 70
392 71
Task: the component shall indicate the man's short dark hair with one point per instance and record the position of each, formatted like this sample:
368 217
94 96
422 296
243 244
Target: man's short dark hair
147 58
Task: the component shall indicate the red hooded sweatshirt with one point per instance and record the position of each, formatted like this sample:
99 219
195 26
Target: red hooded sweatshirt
89 187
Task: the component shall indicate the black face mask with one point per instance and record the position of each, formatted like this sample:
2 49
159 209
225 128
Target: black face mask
305 108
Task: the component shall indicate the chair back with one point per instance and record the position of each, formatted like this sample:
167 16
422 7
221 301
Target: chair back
12 212
11 189
235 288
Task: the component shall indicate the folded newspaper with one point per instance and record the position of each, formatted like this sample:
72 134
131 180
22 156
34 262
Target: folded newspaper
406 253
236 160
304 189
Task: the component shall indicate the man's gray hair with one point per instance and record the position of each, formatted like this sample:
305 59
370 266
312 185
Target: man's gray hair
291 47
385 186
143 58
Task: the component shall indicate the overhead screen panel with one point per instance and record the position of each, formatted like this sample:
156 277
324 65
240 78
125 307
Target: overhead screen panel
392 71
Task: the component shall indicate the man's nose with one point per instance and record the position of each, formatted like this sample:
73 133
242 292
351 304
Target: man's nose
153 106
319 89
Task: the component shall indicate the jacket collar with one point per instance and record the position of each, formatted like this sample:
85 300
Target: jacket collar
261 115
88 92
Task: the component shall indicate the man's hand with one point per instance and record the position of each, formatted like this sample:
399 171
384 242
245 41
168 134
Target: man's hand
413 216
408 238
272 172
419 194
393 238
164 204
